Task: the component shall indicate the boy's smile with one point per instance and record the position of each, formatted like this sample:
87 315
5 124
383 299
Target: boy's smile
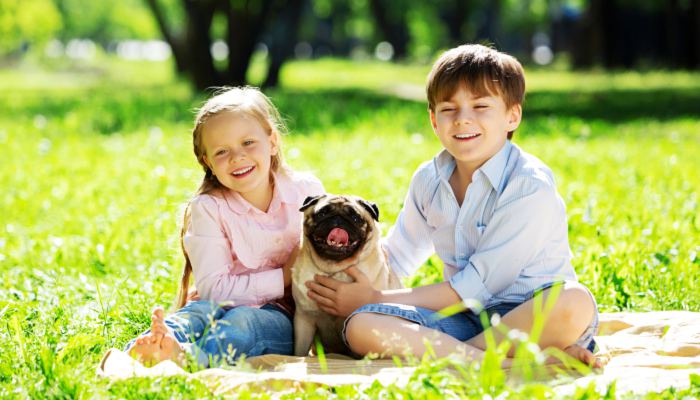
473 128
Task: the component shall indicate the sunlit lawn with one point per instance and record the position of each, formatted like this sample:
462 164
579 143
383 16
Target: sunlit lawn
96 166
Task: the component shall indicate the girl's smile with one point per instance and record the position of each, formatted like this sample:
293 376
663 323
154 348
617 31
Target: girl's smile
239 150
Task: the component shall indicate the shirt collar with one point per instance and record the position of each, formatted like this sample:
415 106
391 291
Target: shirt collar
493 169
282 193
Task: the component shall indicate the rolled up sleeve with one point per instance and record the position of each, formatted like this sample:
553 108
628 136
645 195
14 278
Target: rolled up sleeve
514 238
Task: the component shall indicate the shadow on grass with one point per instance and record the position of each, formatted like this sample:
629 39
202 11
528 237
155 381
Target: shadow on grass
106 110
616 106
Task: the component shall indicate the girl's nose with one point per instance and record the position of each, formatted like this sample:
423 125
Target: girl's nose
236 154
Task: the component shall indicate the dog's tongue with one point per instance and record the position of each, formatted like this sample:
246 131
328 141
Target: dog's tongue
338 236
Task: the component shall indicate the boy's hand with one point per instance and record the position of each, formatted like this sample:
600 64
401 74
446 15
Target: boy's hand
341 298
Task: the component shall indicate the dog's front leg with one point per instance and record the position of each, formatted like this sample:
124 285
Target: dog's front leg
304 330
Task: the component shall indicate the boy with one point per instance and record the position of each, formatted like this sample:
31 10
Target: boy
491 212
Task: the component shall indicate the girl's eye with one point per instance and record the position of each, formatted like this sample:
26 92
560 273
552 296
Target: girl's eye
220 152
248 142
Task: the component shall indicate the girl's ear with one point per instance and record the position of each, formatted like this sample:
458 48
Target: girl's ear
207 163
274 142
515 115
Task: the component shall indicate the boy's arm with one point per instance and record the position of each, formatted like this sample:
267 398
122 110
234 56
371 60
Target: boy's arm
341 299
517 233
408 243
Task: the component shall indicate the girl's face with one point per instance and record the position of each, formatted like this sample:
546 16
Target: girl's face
239 151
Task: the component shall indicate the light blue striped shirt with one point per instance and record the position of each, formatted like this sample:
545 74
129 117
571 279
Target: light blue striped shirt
509 237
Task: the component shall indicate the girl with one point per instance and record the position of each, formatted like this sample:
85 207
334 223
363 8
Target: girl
238 235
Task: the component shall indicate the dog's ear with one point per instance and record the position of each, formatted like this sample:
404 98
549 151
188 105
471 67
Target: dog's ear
310 201
371 208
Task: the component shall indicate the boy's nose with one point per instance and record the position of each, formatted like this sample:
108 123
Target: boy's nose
463 119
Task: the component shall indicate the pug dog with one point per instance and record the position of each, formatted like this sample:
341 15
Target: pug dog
338 232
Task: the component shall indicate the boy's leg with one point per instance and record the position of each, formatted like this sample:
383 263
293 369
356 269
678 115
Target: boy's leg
570 322
389 336
398 330
250 331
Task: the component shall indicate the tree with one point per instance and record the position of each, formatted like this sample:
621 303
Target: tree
246 22
391 21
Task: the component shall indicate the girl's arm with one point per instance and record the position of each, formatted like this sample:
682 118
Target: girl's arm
210 254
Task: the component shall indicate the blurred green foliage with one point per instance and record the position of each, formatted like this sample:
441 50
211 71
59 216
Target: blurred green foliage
106 21
23 21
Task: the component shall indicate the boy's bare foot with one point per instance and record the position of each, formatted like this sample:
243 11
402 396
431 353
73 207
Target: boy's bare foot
159 344
583 355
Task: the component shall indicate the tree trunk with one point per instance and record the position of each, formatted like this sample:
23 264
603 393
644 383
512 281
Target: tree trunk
245 23
454 16
199 61
391 20
694 34
191 48
284 38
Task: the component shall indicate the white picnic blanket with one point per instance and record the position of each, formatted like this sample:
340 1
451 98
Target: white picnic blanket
646 352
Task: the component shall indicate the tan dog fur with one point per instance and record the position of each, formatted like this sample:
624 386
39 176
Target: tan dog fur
368 258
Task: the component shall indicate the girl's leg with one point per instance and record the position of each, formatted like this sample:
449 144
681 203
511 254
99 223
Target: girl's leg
250 331
169 337
570 316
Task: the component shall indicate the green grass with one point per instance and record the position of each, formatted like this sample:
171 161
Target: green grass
96 166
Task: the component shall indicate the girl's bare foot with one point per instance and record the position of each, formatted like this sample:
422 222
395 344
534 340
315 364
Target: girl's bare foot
157 345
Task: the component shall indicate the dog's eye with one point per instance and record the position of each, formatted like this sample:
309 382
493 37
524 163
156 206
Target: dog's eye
322 212
356 218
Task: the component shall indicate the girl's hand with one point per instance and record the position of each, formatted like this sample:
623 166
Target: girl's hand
340 298
287 274
193 295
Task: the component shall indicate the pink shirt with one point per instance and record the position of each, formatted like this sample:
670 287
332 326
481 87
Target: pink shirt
237 251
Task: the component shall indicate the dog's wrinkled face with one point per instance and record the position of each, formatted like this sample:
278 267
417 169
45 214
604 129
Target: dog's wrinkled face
337 226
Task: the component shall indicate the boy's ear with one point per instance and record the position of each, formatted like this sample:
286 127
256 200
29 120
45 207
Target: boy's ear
433 122
515 115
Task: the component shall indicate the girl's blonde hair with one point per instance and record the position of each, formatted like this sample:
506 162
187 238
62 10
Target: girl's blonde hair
246 101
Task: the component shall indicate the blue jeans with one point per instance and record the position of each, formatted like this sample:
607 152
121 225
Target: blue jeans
464 325
214 334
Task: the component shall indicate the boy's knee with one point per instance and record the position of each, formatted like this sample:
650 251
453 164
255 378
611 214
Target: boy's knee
576 305
360 331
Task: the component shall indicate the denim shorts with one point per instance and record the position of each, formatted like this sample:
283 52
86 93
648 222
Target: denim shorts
465 325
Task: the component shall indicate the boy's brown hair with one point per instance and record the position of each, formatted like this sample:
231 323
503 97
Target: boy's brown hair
483 70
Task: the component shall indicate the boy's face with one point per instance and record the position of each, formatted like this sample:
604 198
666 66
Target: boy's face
473 128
